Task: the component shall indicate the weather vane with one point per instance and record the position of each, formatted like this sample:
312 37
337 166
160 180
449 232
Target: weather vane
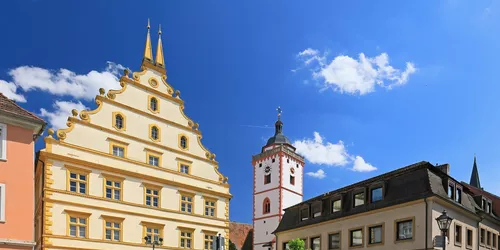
279 111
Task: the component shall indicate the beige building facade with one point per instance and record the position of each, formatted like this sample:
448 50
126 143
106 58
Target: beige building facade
133 167
402 216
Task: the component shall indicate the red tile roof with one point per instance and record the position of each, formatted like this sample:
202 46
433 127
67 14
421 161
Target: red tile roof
11 107
495 199
238 233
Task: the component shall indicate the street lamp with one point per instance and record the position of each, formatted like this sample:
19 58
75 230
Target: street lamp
444 222
153 242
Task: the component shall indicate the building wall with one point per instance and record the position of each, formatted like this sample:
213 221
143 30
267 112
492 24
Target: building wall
17 174
289 199
274 198
386 216
85 146
259 174
288 164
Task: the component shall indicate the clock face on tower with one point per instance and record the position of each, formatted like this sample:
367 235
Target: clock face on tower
267 169
292 170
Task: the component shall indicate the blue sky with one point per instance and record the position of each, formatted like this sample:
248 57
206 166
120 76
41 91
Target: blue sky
425 88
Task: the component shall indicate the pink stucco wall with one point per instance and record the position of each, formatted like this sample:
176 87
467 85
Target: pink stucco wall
17 173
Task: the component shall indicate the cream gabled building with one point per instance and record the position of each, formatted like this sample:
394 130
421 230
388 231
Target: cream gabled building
132 167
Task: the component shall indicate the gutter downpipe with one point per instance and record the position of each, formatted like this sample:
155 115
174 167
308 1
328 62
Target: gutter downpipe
426 222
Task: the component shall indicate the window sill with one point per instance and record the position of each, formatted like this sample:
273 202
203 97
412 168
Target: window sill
375 244
2 221
468 247
403 240
3 159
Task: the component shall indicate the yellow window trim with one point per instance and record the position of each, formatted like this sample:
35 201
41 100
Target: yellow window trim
187 142
183 160
362 237
157 104
396 229
149 153
186 230
153 188
368 234
209 232
153 82
108 177
187 194
117 141
113 177
124 125
124 146
112 219
209 199
159 132
144 231
77 214
153 224
80 171
179 163
153 151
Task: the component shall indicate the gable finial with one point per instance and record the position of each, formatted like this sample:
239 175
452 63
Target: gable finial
160 61
148 49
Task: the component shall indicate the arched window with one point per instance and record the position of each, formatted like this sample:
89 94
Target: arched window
153 104
266 206
155 133
183 142
119 121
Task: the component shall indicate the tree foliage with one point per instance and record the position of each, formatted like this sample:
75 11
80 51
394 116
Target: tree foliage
296 244
232 246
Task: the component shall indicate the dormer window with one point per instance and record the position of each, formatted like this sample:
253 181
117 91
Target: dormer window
376 194
304 214
458 195
359 199
336 205
488 207
316 209
451 190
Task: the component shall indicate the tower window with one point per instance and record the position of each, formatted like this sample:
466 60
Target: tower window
292 179
154 104
266 206
287 160
274 160
260 165
183 142
118 121
267 179
155 133
297 166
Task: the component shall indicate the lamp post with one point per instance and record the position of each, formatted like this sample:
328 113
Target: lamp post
153 242
444 222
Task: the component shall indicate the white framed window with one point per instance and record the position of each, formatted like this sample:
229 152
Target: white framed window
3 141
2 202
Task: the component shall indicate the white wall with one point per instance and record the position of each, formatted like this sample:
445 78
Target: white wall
259 174
263 229
289 163
289 199
273 196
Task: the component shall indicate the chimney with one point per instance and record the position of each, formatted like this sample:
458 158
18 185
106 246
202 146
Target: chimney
444 167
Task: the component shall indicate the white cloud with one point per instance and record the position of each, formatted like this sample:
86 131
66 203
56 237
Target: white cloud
316 151
361 166
64 82
320 174
355 76
62 110
9 90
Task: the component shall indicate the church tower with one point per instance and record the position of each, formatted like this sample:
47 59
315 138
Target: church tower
278 184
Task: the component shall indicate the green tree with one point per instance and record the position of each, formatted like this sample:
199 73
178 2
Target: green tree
232 246
296 244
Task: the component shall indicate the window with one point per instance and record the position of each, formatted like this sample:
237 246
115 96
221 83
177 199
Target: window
451 190
376 234
118 151
184 165
359 199
292 179
336 205
187 203
118 121
77 224
112 228
376 194
458 234
152 195
154 160
488 207
482 236
153 231
304 214
266 206
209 239
153 104
285 246
153 82
184 168
77 180
2 202
469 238
488 238
493 240
334 241
154 133
267 178
183 142
404 229
210 207
356 237
113 187
186 239
273 160
287 160
315 243
483 204
3 141
458 195
316 209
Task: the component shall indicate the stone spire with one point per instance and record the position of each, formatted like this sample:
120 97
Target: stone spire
474 177
160 61
148 49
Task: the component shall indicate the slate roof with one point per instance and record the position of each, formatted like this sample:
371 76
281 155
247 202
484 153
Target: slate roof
413 182
241 235
10 107
479 191
278 137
